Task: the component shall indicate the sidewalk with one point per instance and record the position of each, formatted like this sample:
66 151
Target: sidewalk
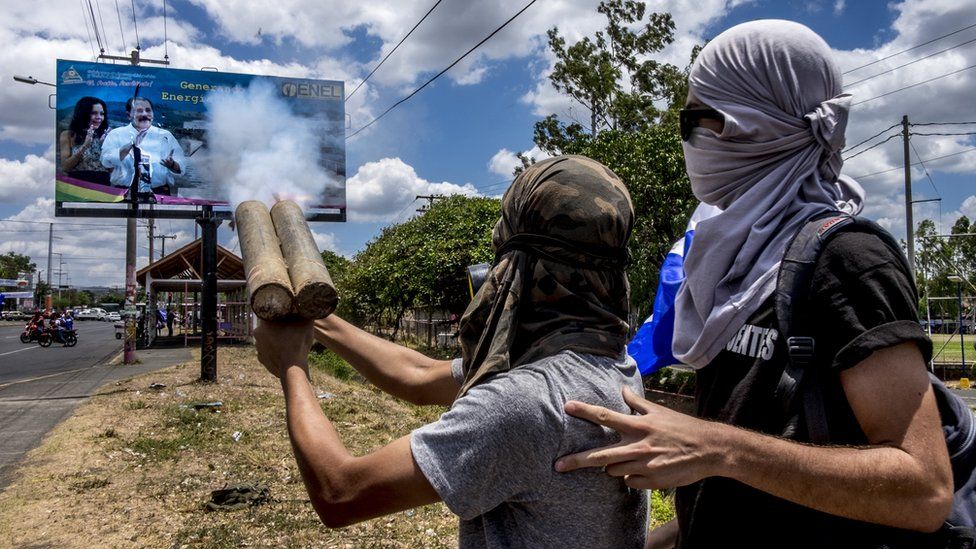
30 409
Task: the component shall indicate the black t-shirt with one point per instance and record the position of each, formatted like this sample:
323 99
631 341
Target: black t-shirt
862 300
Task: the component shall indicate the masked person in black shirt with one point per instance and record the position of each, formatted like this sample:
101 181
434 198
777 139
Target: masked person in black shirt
763 133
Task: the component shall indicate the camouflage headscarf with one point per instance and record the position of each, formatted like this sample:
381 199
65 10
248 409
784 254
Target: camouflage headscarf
558 280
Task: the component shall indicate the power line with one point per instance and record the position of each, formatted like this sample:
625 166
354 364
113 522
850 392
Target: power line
449 67
165 38
957 153
391 51
101 22
135 23
914 85
84 17
946 134
943 124
910 49
924 169
98 38
849 149
853 84
878 144
118 13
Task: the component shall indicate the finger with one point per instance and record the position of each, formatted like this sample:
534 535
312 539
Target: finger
598 457
643 482
598 415
626 468
636 402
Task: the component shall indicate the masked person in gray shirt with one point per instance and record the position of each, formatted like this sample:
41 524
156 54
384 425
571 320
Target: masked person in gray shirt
548 326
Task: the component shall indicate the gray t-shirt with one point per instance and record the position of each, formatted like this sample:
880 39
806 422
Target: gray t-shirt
490 458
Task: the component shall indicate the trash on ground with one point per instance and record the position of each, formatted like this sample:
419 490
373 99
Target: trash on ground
325 396
237 436
157 385
212 406
238 497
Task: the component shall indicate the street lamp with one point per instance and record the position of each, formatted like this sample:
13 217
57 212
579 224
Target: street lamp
962 341
31 80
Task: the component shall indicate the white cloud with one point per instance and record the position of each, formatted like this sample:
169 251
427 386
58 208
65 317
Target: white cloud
505 161
387 188
945 100
839 6
692 22
22 180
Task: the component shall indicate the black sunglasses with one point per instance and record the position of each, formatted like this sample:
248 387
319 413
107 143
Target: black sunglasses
691 118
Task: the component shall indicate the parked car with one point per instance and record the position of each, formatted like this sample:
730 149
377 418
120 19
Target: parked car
113 316
95 313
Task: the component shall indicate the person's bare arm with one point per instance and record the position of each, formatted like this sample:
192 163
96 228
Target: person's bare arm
401 372
902 479
70 161
343 489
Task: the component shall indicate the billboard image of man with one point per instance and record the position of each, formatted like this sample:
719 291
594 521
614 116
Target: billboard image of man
157 152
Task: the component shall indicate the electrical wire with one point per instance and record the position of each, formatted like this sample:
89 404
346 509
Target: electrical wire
910 49
101 22
391 51
118 13
135 23
914 85
165 35
924 169
878 144
449 67
946 134
87 29
942 123
98 38
957 153
849 149
853 84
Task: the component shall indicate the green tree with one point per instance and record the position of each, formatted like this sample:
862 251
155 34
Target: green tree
613 75
40 290
421 262
651 164
13 263
633 130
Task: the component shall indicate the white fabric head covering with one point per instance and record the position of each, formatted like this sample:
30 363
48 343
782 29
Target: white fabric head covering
775 164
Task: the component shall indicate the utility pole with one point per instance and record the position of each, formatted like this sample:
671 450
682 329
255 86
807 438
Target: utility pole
909 222
50 242
129 345
152 240
163 237
430 198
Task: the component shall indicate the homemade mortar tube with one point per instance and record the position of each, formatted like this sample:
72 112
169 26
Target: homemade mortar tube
315 294
264 267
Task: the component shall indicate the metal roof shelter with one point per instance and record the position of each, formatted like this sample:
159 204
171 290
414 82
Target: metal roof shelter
181 273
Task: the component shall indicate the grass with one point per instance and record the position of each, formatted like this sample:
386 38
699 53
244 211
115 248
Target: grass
327 362
136 467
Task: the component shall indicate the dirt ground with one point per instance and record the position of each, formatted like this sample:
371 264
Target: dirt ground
135 466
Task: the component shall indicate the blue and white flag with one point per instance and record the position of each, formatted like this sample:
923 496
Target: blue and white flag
651 345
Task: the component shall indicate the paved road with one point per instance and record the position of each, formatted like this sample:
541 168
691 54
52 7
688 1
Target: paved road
21 361
40 388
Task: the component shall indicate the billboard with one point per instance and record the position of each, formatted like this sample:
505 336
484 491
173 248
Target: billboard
180 139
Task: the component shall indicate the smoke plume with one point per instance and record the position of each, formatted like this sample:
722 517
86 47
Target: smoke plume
260 150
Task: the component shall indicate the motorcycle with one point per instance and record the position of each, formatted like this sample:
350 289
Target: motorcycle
47 337
29 334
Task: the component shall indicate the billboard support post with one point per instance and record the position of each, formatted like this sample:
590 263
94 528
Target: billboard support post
208 315
129 347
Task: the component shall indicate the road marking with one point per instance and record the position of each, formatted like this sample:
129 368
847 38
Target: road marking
20 350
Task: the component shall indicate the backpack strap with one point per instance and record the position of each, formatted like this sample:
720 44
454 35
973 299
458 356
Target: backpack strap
792 314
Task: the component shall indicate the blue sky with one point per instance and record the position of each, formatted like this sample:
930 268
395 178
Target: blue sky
459 134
